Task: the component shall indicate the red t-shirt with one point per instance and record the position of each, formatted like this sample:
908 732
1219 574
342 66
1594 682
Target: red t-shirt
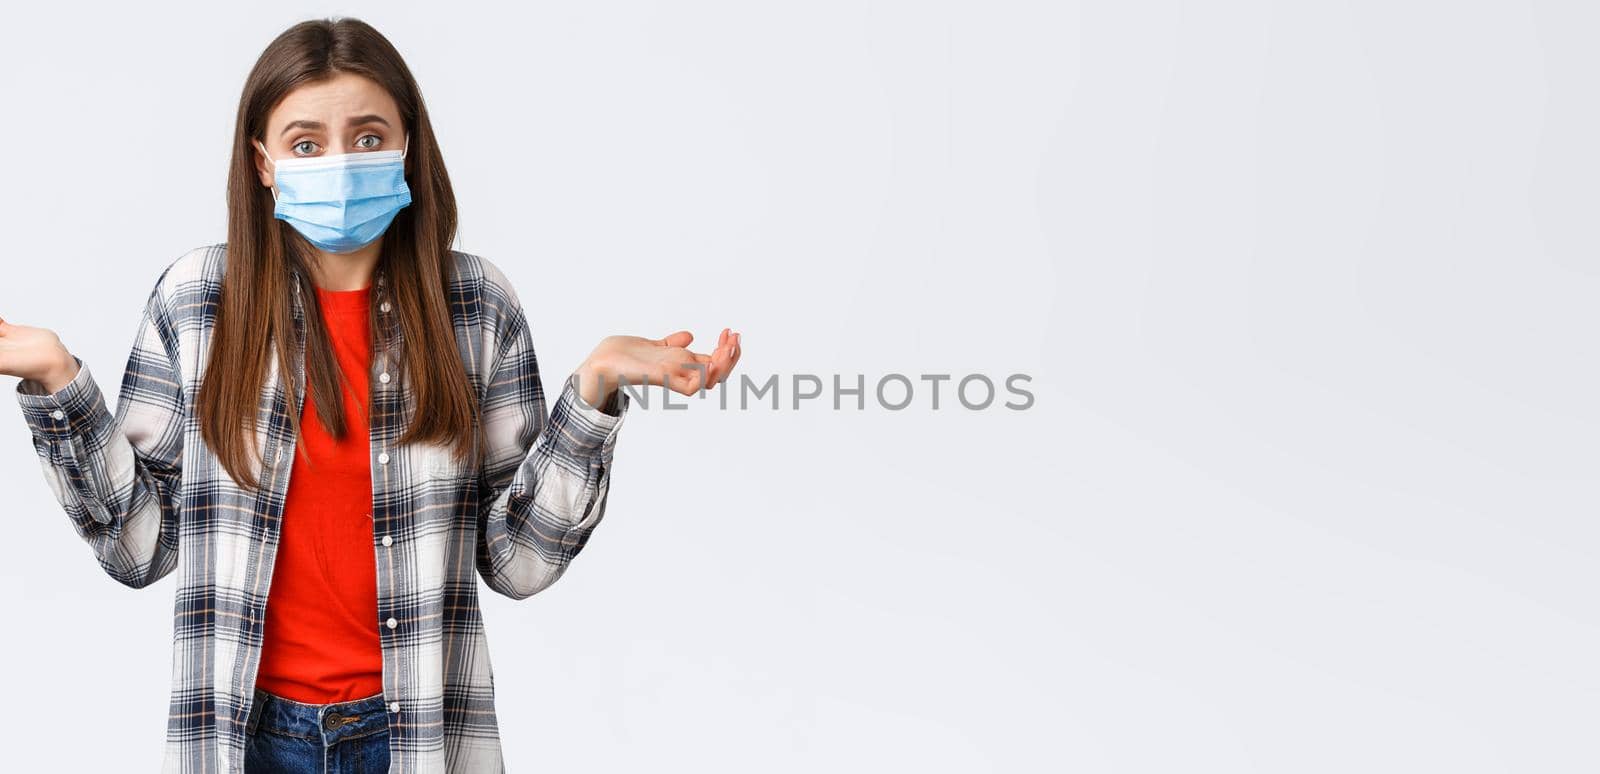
321 637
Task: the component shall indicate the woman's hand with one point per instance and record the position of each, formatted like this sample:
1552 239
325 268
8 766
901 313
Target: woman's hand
666 361
37 354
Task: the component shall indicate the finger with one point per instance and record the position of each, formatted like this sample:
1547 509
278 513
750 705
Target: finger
712 365
684 382
671 375
727 357
715 366
695 374
738 351
710 360
684 361
679 339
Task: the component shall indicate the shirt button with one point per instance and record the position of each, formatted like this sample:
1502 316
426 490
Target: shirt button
394 707
57 414
392 623
383 457
384 377
383 307
388 540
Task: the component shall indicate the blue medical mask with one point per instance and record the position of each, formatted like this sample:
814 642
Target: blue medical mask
340 203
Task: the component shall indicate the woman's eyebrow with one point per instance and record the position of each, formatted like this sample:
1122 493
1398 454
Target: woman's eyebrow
301 124
370 118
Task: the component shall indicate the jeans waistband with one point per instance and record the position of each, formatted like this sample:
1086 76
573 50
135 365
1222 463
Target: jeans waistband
328 723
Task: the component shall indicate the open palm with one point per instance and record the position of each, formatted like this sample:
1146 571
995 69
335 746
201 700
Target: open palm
665 362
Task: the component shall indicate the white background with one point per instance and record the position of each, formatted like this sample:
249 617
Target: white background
1307 292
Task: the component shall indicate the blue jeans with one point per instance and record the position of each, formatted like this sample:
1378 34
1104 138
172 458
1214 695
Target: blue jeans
288 737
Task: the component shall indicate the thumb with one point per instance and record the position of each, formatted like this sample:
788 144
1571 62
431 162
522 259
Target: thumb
679 339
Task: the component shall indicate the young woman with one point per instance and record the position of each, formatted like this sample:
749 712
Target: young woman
329 424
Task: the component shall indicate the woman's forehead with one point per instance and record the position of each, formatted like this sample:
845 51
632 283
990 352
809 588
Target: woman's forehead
334 100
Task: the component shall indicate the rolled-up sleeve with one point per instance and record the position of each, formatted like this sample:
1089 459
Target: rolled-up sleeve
546 475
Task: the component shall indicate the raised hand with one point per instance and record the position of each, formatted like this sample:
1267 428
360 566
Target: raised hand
37 354
666 362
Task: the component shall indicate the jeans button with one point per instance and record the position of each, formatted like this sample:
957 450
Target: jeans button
331 722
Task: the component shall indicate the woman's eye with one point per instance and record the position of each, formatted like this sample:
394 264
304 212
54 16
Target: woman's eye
362 143
305 147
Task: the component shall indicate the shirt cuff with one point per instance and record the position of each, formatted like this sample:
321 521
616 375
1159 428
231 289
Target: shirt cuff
587 430
79 406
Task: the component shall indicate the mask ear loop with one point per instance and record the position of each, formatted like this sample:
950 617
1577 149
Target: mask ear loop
274 161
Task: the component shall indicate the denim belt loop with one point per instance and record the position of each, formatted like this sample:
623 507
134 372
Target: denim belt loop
255 711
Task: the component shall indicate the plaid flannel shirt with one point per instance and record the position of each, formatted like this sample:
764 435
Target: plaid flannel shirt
148 496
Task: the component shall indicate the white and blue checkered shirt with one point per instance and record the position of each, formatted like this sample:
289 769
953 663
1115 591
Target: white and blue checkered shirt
141 487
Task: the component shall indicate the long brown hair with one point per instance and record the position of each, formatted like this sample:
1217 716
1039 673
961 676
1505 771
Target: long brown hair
267 257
